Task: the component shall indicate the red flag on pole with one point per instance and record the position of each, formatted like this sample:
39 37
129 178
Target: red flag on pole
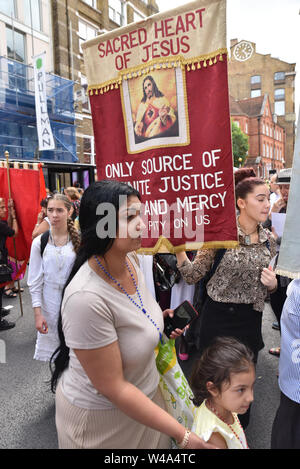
27 190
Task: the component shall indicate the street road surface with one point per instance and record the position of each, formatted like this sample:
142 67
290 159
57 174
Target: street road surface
27 408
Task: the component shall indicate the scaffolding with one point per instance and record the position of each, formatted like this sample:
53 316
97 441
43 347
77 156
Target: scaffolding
18 133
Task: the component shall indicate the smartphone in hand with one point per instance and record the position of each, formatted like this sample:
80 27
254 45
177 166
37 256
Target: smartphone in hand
184 314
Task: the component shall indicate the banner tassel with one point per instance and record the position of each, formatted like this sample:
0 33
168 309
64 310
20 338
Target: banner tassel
185 65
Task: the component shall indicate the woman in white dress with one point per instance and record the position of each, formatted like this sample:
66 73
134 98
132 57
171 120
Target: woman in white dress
49 269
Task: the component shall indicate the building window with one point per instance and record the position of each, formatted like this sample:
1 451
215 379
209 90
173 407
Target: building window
279 76
279 94
32 12
279 107
246 128
15 41
255 79
92 3
255 93
85 32
88 149
137 17
115 11
84 96
8 7
267 130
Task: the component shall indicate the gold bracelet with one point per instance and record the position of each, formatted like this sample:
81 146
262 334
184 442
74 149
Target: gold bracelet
185 440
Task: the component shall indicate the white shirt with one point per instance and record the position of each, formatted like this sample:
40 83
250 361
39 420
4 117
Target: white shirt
273 198
289 362
47 275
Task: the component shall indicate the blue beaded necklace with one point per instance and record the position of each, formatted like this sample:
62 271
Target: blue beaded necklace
139 306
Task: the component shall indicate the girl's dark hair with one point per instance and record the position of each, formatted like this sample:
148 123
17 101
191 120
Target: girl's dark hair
243 173
225 356
245 182
101 192
44 202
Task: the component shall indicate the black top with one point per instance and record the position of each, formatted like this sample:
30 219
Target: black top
5 231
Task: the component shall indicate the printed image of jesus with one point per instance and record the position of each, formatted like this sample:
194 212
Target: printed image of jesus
155 116
152 105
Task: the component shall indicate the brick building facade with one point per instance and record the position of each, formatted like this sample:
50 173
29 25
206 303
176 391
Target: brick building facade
252 74
266 137
75 21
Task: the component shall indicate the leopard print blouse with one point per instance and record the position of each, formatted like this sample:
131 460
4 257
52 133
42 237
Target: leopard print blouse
237 278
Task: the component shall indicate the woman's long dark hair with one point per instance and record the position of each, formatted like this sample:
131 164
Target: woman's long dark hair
102 192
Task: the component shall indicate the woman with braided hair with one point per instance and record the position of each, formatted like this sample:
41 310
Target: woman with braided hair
51 260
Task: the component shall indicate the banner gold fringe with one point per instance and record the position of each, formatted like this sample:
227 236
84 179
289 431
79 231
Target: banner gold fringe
20 165
287 273
190 64
163 245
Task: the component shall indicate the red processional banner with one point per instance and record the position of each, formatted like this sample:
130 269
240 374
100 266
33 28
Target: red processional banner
159 98
27 188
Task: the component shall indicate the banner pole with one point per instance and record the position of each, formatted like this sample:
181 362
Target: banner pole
14 241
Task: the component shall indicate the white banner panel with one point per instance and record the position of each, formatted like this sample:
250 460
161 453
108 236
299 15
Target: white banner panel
289 255
45 136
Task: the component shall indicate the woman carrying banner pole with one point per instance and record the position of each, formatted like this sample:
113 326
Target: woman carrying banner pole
105 375
8 228
6 153
242 280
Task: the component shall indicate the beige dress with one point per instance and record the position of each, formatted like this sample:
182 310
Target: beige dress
94 314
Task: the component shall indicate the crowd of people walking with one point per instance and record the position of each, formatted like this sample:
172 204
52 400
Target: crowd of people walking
99 314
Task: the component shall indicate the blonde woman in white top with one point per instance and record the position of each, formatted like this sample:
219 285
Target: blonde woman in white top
48 272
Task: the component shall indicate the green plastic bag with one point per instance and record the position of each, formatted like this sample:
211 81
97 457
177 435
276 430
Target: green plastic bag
173 384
